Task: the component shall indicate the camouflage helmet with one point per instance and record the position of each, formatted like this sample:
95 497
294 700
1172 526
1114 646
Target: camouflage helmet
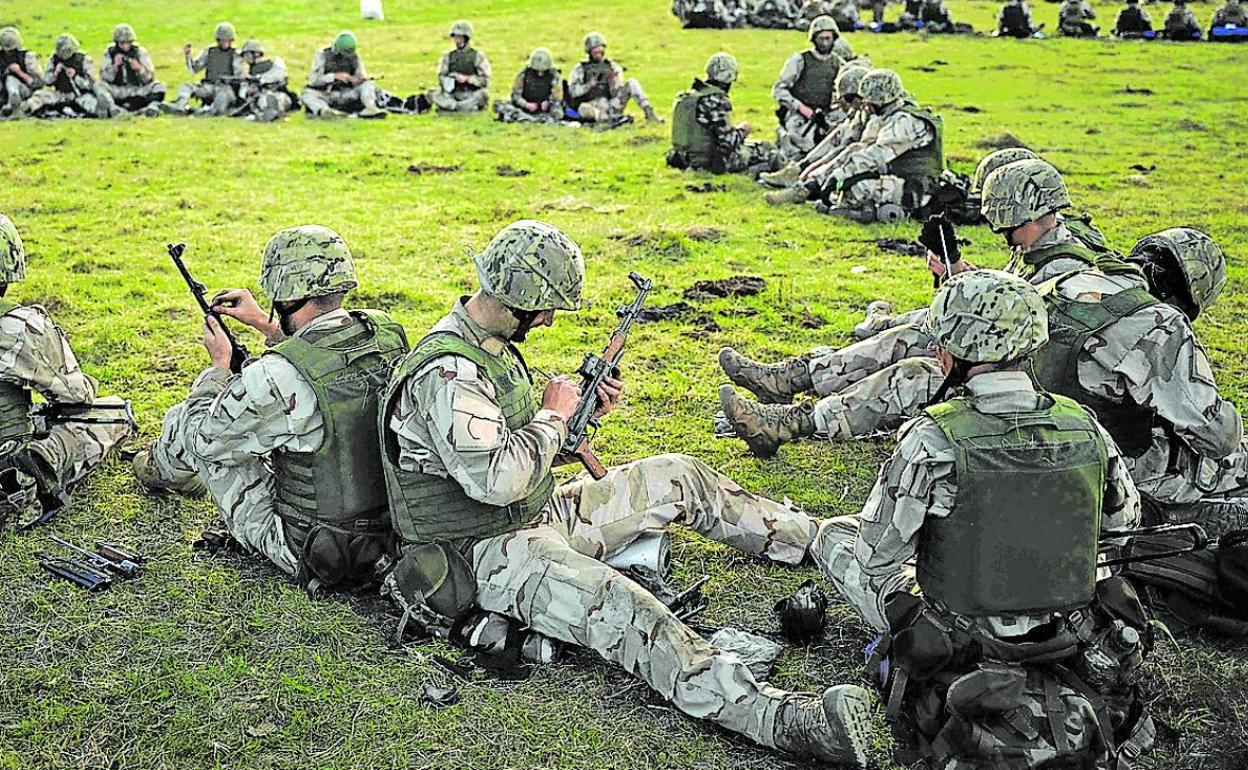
225 31
848 80
541 60
10 39
531 265
988 316
594 40
124 33
998 158
822 24
722 68
345 42
1022 192
66 46
307 261
253 46
462 28
12 252
880 87
1200 259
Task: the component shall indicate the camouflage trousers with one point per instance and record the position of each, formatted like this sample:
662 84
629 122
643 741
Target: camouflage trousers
318 101
244 491
833 553
218 97
798 135
470 100
508 112
15 93
551 577
75 449
97 101
137 97
752 153
875 192
603 109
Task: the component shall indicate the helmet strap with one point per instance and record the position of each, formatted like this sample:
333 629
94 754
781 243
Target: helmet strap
525 319
956 378
285 312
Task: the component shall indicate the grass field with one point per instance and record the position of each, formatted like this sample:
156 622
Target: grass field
219 662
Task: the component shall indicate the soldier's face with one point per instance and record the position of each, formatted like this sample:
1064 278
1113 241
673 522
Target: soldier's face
460 40
125 46
824 42
225 43
597 52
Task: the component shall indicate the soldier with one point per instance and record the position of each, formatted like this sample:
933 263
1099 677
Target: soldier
127 73
220 64
772 14
709 14
1022 201
338 84
265 90
464 75
1229 14
1014 20
535 93
468 451
38 470
976 552
595 89
20 71
1181 23
843 12
805 91
1073 19
890 171
702 135
287 448
72 89
1133 22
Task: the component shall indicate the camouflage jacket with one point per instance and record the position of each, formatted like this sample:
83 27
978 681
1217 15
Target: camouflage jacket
918 482
85 78
578 85
447 422
34 354
319 78
714 112
842 135
1229 14
480 80
32 68
885 137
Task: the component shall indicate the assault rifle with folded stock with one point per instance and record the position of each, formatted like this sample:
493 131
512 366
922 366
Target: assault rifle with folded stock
594 371
238 353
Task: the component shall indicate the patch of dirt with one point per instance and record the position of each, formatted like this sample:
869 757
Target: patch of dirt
573 203
703 233
421 169
664 312
736 286
811 321
1190 125
706 187
641 140
662 243
997 142
901 246
972 109
1137 91
507 170
1092 131
1144 169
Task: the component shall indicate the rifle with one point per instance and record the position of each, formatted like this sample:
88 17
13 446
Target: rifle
123 568
818 119
53 411
238 353
1129 553
594 370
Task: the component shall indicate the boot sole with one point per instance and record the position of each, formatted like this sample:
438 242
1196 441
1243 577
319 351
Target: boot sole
850 707
764 451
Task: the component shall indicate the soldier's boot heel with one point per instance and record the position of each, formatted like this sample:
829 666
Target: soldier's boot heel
764 427
152 480
879 317
834 728
770 383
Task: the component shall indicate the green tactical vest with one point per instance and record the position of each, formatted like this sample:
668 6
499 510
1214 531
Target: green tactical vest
602 71
688 135
75 62
9 58
425 508
816 86
15 401
462 61
1080 226
124 76
536 85
1022 536
340 62
340 486
922 166
1026 266
220 64
1055 367
259 68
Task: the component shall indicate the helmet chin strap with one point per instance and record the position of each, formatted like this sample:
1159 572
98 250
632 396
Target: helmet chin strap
525 319
284 313
956 378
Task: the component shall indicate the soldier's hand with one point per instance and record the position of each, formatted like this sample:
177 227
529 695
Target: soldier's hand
73 73
342 77
117 60
461 78
592 84
240 305
15 68
531 107
216 344
186 49
544 106
561 396
937 265
135 65
609 393
745 127
805 111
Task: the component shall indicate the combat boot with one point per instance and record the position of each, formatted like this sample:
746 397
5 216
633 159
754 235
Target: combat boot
857 214
879 317
764 427
175 108
835 728
152 480
770 383
788 196
787 176
372 112
651 115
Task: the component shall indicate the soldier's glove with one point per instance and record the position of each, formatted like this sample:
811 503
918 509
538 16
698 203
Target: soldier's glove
939 237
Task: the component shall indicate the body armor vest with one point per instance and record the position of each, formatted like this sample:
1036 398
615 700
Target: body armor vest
332 501
1023 534
9 58
1131 21
688 135
602 71
537 85
1027 265
462 61
63 83
220 64
15 401
424 507
1014 20
922 166
124 76
1055 367
259 68
816 86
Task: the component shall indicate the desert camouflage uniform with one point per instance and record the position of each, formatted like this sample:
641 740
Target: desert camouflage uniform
513 111
709 14
1073 17
15 89
219 98
1182 24
605 108
35 355
322 95
1015 6
92 98
226 429
1230 12
549 575
474 97
796 136
885 137
732 143
116 80
272 97
773 14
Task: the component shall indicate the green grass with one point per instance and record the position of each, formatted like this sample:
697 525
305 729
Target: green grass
219 662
